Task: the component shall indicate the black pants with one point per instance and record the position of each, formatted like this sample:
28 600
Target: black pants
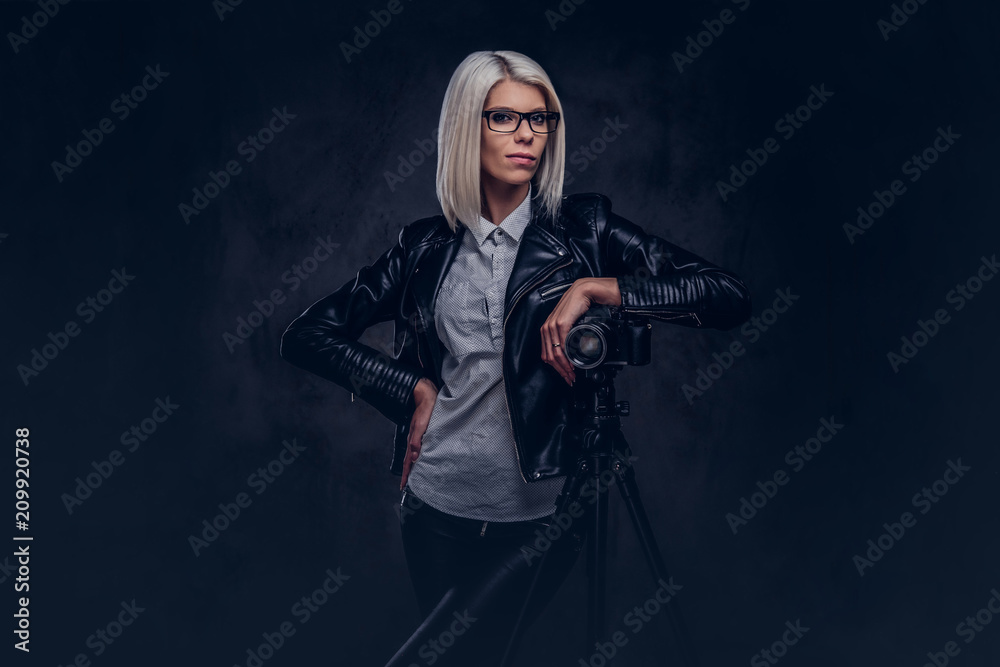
471 580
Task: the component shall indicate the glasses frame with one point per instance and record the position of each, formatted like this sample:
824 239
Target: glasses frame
521 117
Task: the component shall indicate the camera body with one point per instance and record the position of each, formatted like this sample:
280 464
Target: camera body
604 336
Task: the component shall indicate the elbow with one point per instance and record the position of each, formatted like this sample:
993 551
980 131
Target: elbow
290 345
738 305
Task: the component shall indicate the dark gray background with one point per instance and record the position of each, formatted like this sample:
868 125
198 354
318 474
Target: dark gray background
336 506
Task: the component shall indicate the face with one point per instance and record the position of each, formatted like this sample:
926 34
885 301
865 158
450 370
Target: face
512 158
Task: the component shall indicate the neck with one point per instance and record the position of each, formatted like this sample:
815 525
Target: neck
500 199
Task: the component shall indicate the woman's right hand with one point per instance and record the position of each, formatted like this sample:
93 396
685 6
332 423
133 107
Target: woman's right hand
425 395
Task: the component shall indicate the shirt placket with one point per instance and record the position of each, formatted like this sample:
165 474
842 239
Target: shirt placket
494 295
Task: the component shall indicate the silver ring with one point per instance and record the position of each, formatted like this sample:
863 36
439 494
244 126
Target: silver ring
555 345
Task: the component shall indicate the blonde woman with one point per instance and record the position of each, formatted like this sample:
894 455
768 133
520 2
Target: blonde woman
478 386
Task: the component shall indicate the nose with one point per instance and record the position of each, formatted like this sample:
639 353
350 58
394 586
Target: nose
523 132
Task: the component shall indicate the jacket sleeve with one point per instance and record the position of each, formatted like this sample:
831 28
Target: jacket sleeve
663 281
324 339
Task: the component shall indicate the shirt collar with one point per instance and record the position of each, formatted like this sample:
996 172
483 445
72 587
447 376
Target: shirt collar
513 224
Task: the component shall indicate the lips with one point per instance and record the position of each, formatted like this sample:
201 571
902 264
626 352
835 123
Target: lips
522 158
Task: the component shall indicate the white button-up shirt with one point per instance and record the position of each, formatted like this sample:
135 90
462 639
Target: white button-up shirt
468 464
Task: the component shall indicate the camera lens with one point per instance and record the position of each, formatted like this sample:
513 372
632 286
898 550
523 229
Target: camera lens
586 346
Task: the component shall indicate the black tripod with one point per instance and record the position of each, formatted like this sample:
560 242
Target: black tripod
605 462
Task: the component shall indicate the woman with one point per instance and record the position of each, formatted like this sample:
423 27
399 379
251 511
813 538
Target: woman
479 387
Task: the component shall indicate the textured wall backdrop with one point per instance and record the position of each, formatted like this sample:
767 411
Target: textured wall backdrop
182 179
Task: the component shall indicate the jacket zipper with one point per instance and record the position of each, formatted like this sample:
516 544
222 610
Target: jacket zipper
554 289
416 341
503 365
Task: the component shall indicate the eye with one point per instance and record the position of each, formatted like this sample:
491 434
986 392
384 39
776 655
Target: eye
538 118
501 118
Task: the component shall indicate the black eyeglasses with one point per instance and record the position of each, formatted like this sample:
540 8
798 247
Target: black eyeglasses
506 121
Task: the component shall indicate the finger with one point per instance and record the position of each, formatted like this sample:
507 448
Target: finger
554 332
408 456
551 355
551 337
546 344
547 356
562 362
560 353
412 453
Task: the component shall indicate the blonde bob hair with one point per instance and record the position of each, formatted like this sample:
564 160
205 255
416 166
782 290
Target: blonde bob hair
459 134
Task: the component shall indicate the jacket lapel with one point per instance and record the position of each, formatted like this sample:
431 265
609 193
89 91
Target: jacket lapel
538 252
427 279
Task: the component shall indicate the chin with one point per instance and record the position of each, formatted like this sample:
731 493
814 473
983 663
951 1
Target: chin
519 178
511 176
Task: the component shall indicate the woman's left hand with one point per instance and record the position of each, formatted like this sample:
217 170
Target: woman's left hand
581 295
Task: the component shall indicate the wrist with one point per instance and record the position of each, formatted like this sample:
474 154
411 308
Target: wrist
604 291
424 385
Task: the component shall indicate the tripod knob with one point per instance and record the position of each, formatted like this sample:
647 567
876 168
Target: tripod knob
622 407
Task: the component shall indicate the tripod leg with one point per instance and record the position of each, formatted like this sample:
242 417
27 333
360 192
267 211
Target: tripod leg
630 495
597 562
570 494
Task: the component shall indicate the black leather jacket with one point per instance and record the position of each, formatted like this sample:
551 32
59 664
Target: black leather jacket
655 277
